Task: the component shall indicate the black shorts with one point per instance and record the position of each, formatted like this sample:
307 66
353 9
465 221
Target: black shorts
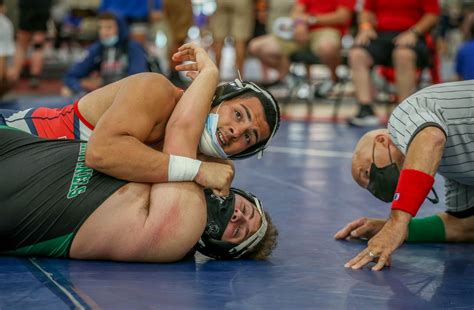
32 19
462 214
382 47
136 20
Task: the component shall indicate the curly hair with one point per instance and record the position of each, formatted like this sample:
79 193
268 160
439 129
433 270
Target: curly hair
264 249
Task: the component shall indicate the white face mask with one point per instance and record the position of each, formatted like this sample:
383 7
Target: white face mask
209 144
110 41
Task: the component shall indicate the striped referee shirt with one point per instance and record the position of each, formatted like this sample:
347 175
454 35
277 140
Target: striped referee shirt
450 107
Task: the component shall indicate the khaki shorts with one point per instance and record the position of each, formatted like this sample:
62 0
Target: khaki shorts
278 8
316 38
233 17
179 17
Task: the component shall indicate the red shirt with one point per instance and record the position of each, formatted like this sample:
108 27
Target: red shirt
315 7
400 15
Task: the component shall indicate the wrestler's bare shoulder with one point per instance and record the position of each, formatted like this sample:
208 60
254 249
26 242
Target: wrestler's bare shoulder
143 222
93 105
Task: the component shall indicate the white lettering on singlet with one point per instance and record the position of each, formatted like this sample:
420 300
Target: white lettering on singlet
82 175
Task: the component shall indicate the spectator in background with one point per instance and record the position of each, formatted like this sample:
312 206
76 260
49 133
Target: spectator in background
234 18
179 18
391 33
114 57
266 47
7 47
267 11
261 16
33 16
465 55
75 22
448 35
318 26
137 14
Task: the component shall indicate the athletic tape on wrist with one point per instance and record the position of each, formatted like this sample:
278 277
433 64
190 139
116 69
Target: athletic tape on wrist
182 168
412 189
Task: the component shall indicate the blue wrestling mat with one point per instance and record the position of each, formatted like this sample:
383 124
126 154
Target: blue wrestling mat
305 182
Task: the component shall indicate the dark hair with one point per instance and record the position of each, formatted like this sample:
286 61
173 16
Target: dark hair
1 2
107 16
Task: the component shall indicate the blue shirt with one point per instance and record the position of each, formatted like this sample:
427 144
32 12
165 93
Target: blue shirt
465 61
130 8
136 59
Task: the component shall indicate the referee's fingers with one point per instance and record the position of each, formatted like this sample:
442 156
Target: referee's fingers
346 231
361 257
382 262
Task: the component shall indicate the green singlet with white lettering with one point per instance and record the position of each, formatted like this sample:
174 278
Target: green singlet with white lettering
47 192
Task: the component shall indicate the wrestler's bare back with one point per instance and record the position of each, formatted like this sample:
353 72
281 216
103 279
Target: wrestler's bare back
94 105
140 222
143 222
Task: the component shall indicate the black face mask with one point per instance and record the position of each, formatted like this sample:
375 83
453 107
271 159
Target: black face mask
383 181
219 212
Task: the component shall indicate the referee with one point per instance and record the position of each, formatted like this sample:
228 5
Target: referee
431 131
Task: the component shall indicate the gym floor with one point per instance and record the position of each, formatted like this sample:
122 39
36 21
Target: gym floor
304 181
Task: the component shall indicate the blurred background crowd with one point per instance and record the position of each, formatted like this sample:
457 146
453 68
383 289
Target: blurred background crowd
308 48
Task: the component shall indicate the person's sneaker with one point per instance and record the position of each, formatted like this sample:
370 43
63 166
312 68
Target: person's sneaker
34 82
365 118
324 89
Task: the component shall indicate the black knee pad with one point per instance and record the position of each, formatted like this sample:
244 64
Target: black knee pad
38 46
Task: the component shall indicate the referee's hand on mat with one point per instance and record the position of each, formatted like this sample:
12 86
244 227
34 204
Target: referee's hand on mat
362 228
384 243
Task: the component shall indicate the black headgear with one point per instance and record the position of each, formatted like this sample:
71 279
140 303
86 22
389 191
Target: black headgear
219 212
237 87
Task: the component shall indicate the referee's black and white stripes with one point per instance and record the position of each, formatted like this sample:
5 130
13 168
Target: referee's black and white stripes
450 107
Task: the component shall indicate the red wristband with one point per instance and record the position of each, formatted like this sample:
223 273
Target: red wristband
412 189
